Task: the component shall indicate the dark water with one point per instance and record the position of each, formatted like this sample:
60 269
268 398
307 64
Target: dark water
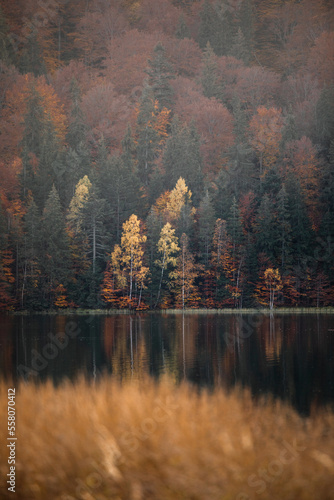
288 355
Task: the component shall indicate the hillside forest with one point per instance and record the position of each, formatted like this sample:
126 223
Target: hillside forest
166 154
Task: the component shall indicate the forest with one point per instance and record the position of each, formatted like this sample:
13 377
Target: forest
166 154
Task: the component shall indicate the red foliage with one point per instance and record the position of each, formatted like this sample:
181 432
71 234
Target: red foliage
213 122
321 59
107 115
127 60
158 16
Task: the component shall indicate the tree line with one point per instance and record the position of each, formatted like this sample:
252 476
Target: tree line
176 161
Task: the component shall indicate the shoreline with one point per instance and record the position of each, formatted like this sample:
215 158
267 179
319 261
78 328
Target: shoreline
114 312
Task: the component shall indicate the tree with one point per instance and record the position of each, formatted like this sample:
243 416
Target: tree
149 136
127 260
31 268
160 73
182 30
211 85
265 132
6 260
54 247
167 247
32 60
283 227
269 287
266 229
206 223
183 277
182 157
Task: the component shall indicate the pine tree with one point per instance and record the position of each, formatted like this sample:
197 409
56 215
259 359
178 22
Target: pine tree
31 259
206 223
211 85
182 30
54 247
182 157
247 26
207 26
266 229
240 48
147 135
160 73
7 279
32 60
325 117
283 228
6 50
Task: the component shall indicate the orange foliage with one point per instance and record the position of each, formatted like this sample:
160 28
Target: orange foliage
6 280
60 297
321 59
302 160
265 133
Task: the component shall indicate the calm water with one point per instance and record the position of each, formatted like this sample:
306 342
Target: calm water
288 355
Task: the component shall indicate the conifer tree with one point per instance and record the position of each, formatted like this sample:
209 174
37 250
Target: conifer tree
54 247
206 223
182 30
182 157
32 60
283 227
160 73
266 230
147 135
209 77
31 259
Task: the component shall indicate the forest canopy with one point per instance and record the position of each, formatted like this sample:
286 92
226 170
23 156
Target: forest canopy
166 153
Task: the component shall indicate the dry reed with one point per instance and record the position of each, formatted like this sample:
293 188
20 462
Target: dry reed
146 440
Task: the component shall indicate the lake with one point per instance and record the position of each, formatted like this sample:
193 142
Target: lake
287 355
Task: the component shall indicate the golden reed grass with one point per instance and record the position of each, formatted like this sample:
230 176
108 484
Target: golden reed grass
147 440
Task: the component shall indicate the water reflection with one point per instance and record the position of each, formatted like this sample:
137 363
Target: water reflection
290 356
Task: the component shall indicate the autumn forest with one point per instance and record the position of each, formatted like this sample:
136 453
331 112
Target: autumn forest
166 154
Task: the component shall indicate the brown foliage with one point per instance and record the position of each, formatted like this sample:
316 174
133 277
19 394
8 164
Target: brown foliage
160 441
107 114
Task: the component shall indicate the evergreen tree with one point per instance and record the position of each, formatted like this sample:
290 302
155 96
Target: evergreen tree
283 228
266 231
240 48
182 158
211 85
247 26
289 132
325 117
301 230
54 248
42 156
118 185
160 73
6 50
206 224
147 135
31 257
207 26
182 30
326 230
32 60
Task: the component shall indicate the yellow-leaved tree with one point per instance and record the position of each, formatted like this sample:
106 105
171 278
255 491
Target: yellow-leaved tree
167 248
268 287
127 261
